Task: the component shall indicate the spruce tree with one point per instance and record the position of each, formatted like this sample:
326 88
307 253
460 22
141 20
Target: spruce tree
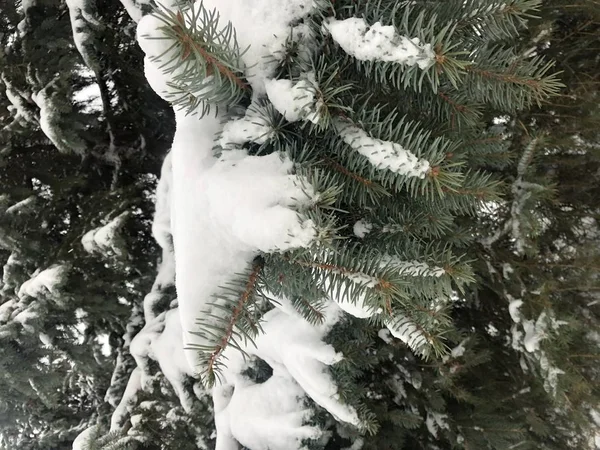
400 122
377 226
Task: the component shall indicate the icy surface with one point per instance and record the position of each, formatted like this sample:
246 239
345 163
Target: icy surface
379 43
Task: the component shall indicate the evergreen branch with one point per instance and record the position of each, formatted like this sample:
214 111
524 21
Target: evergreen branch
188 44
369 184
203 62
234 317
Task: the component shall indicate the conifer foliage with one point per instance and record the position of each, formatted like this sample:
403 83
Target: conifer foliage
372 227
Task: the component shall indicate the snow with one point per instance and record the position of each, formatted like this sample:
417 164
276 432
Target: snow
21 206
459 350
134 8
412 268
263 27
216 212
384 335
534 333
550 374
253 127
492 330
44 282
129 398
401 327
355 307
522 192
295 101
103 340
106 239
528 341
379 43
513 309
408 332
382 154
167 348
362 228
6 310
80 20
89 96
25 316
224 211
18 103
436 421
48 119
271 415
81 442
23 26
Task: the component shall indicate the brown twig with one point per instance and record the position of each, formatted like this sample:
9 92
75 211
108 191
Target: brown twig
237 311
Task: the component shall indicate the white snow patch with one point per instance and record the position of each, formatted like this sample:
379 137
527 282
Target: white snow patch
270 415
18 103
408 332
89 96
253 127
105 239
550 374
382 154
45 282
6 310
21 206
379 43
513 309
362 228
128 399
82 441
491 330
45 339
80 20
134 8
384 335
49 122
263 27
435 422
224 211
105 347
459 350
295 101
